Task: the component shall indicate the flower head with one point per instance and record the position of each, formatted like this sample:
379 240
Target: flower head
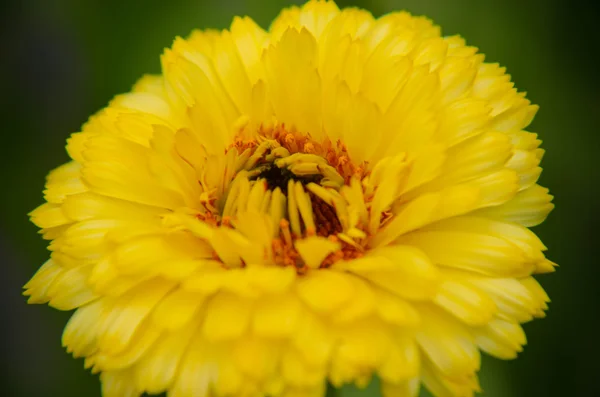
337 198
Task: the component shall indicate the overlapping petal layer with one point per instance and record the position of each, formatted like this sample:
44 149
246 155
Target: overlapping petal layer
335 198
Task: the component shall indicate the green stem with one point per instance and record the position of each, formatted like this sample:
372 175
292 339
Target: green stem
332 391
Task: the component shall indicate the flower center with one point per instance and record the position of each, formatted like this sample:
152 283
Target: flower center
304 195
279 177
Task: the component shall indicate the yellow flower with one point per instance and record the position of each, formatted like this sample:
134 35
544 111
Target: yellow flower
337 198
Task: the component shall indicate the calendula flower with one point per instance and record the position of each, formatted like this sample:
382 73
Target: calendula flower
337 198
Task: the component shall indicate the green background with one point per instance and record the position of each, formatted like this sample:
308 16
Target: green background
63 60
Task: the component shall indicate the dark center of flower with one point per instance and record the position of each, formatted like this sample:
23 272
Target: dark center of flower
277 177
308 190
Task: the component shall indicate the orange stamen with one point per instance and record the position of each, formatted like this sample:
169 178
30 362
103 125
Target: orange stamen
325 217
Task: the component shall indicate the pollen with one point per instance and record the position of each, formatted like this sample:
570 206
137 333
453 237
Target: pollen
325 217
296 182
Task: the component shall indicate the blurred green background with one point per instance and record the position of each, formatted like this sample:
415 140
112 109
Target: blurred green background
62 60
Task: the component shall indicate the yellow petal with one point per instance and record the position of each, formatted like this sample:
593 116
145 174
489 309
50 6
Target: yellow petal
177 309
409 388
315 249
361 305
37 287
463 119
529 207
229 380
64 181
402 362
466 302
249 39
382 78
144 338
426 209
447 343
395 310
196 373
294 87
148 254
325 290
255 357
501 339
518 235
298 373
441 385
271 279
316 15
117 181
89 206
475 252
362 347
80 334
402 270
456 77
119 325
119 384
70 290
518 300
158 369
474 157
496 188
518 117
49 215
526 163
276 316
313 340
227 317
412 112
